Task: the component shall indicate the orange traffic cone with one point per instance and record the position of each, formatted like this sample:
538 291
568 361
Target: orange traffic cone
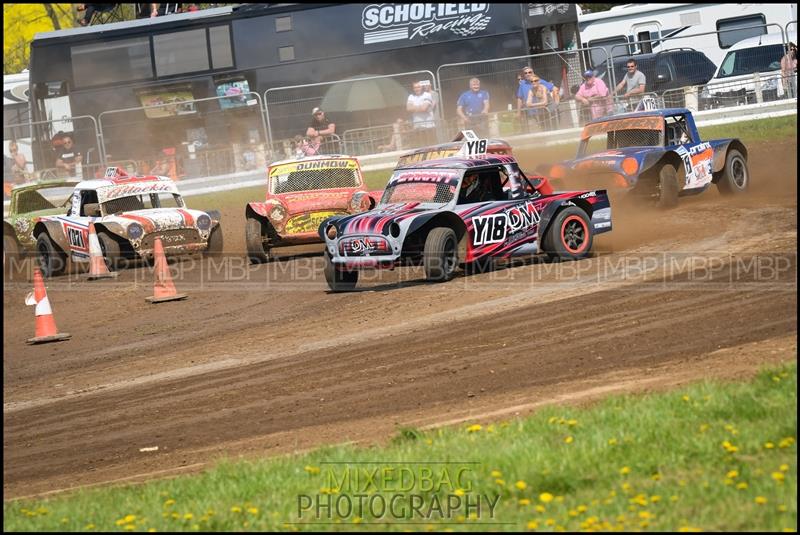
46 330
163 289
97 265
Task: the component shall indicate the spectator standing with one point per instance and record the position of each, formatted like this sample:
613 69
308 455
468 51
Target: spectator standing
68 157
538 99
473 107
634 81
593 93
420 103
789 70
19 165
320 126
523 89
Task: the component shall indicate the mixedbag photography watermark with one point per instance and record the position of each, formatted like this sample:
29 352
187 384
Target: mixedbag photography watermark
396 493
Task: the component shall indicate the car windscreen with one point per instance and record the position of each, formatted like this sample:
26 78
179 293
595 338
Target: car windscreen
432 186
314 175
751 60
43 199
142 202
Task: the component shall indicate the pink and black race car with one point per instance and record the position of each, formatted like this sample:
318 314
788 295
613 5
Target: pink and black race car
300 195
461 211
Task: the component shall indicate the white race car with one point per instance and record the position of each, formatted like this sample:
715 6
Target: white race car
128 213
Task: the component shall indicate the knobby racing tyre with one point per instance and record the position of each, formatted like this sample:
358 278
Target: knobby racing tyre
338 280
440 256
667 187
214 248
735 176
52 261
570 235
111 250
11 256
255 233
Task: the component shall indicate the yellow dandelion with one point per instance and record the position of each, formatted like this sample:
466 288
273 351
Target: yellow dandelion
742 485
782 508
733 474
169 502
729 481
689 529
474 428
311 469
789 530
704 428
778 476
612 441
524 501
685 398
568 439
533 524
497 473
549 522
552 420
88 527
656 477
253 510
545 497
645 515
490 428
458 492
129 527
152 530
784 468
236 509
582 508
760 500
673 498
769 445
188 516
357 520
572 513
540 508
624 470
626 487
572 423
500 482
521 485
655 498
786 442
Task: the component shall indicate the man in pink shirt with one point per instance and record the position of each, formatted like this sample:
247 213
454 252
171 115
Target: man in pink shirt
593 92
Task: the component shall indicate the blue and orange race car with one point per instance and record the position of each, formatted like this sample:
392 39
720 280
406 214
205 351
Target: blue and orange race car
656 154
461 211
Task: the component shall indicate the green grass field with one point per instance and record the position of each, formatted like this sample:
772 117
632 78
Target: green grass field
750 132
710 456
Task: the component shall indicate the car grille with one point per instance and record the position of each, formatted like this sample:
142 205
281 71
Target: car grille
308 222
171 238
364 246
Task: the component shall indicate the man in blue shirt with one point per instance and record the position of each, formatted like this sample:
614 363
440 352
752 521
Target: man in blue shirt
473 107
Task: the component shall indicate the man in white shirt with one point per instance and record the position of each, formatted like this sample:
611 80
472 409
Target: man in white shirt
420 104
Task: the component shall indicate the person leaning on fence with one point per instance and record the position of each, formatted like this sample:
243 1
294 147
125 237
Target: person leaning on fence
68 156
420 103
538 100
593 93
789 70
523 88
633 82
320 126
473 107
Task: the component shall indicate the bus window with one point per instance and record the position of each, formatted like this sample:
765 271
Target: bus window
729 35
111 61
180 52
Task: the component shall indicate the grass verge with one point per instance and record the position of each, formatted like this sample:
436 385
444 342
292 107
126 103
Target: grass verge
711 456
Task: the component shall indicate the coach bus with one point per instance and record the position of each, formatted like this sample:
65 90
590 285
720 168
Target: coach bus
198 55
640 26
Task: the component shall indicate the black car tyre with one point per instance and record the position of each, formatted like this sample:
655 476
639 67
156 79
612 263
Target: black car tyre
338 280
52 261
667 187
735 176
570 235
110 248
11 256
440 256
254 237
214 248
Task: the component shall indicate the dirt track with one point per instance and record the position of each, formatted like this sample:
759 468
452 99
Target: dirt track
261 359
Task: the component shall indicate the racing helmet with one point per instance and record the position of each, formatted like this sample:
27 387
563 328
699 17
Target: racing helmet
470 184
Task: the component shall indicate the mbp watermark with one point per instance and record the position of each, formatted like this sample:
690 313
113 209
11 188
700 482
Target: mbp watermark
396 492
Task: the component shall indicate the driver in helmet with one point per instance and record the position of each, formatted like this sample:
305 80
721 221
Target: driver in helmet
471 189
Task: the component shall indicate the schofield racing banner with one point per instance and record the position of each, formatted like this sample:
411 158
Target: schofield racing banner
409 22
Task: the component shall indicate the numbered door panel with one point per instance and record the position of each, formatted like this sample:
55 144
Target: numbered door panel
78 238
502 229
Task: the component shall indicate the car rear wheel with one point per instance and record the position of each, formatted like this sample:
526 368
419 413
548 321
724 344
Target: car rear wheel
52 261
338 280
735 177
111 250
440 256
667 187
255 233
570 235
214 248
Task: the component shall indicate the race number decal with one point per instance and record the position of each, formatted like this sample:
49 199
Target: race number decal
489 229
77 237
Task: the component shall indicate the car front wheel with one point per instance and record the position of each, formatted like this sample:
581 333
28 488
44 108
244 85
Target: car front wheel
257 251
52 261
214 248
440 256
338 280
667 187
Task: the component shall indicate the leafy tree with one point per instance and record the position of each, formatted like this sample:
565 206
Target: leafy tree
22 21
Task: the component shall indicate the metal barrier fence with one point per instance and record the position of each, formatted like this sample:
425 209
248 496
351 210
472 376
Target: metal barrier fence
189 138
354 103
46 150
683 60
